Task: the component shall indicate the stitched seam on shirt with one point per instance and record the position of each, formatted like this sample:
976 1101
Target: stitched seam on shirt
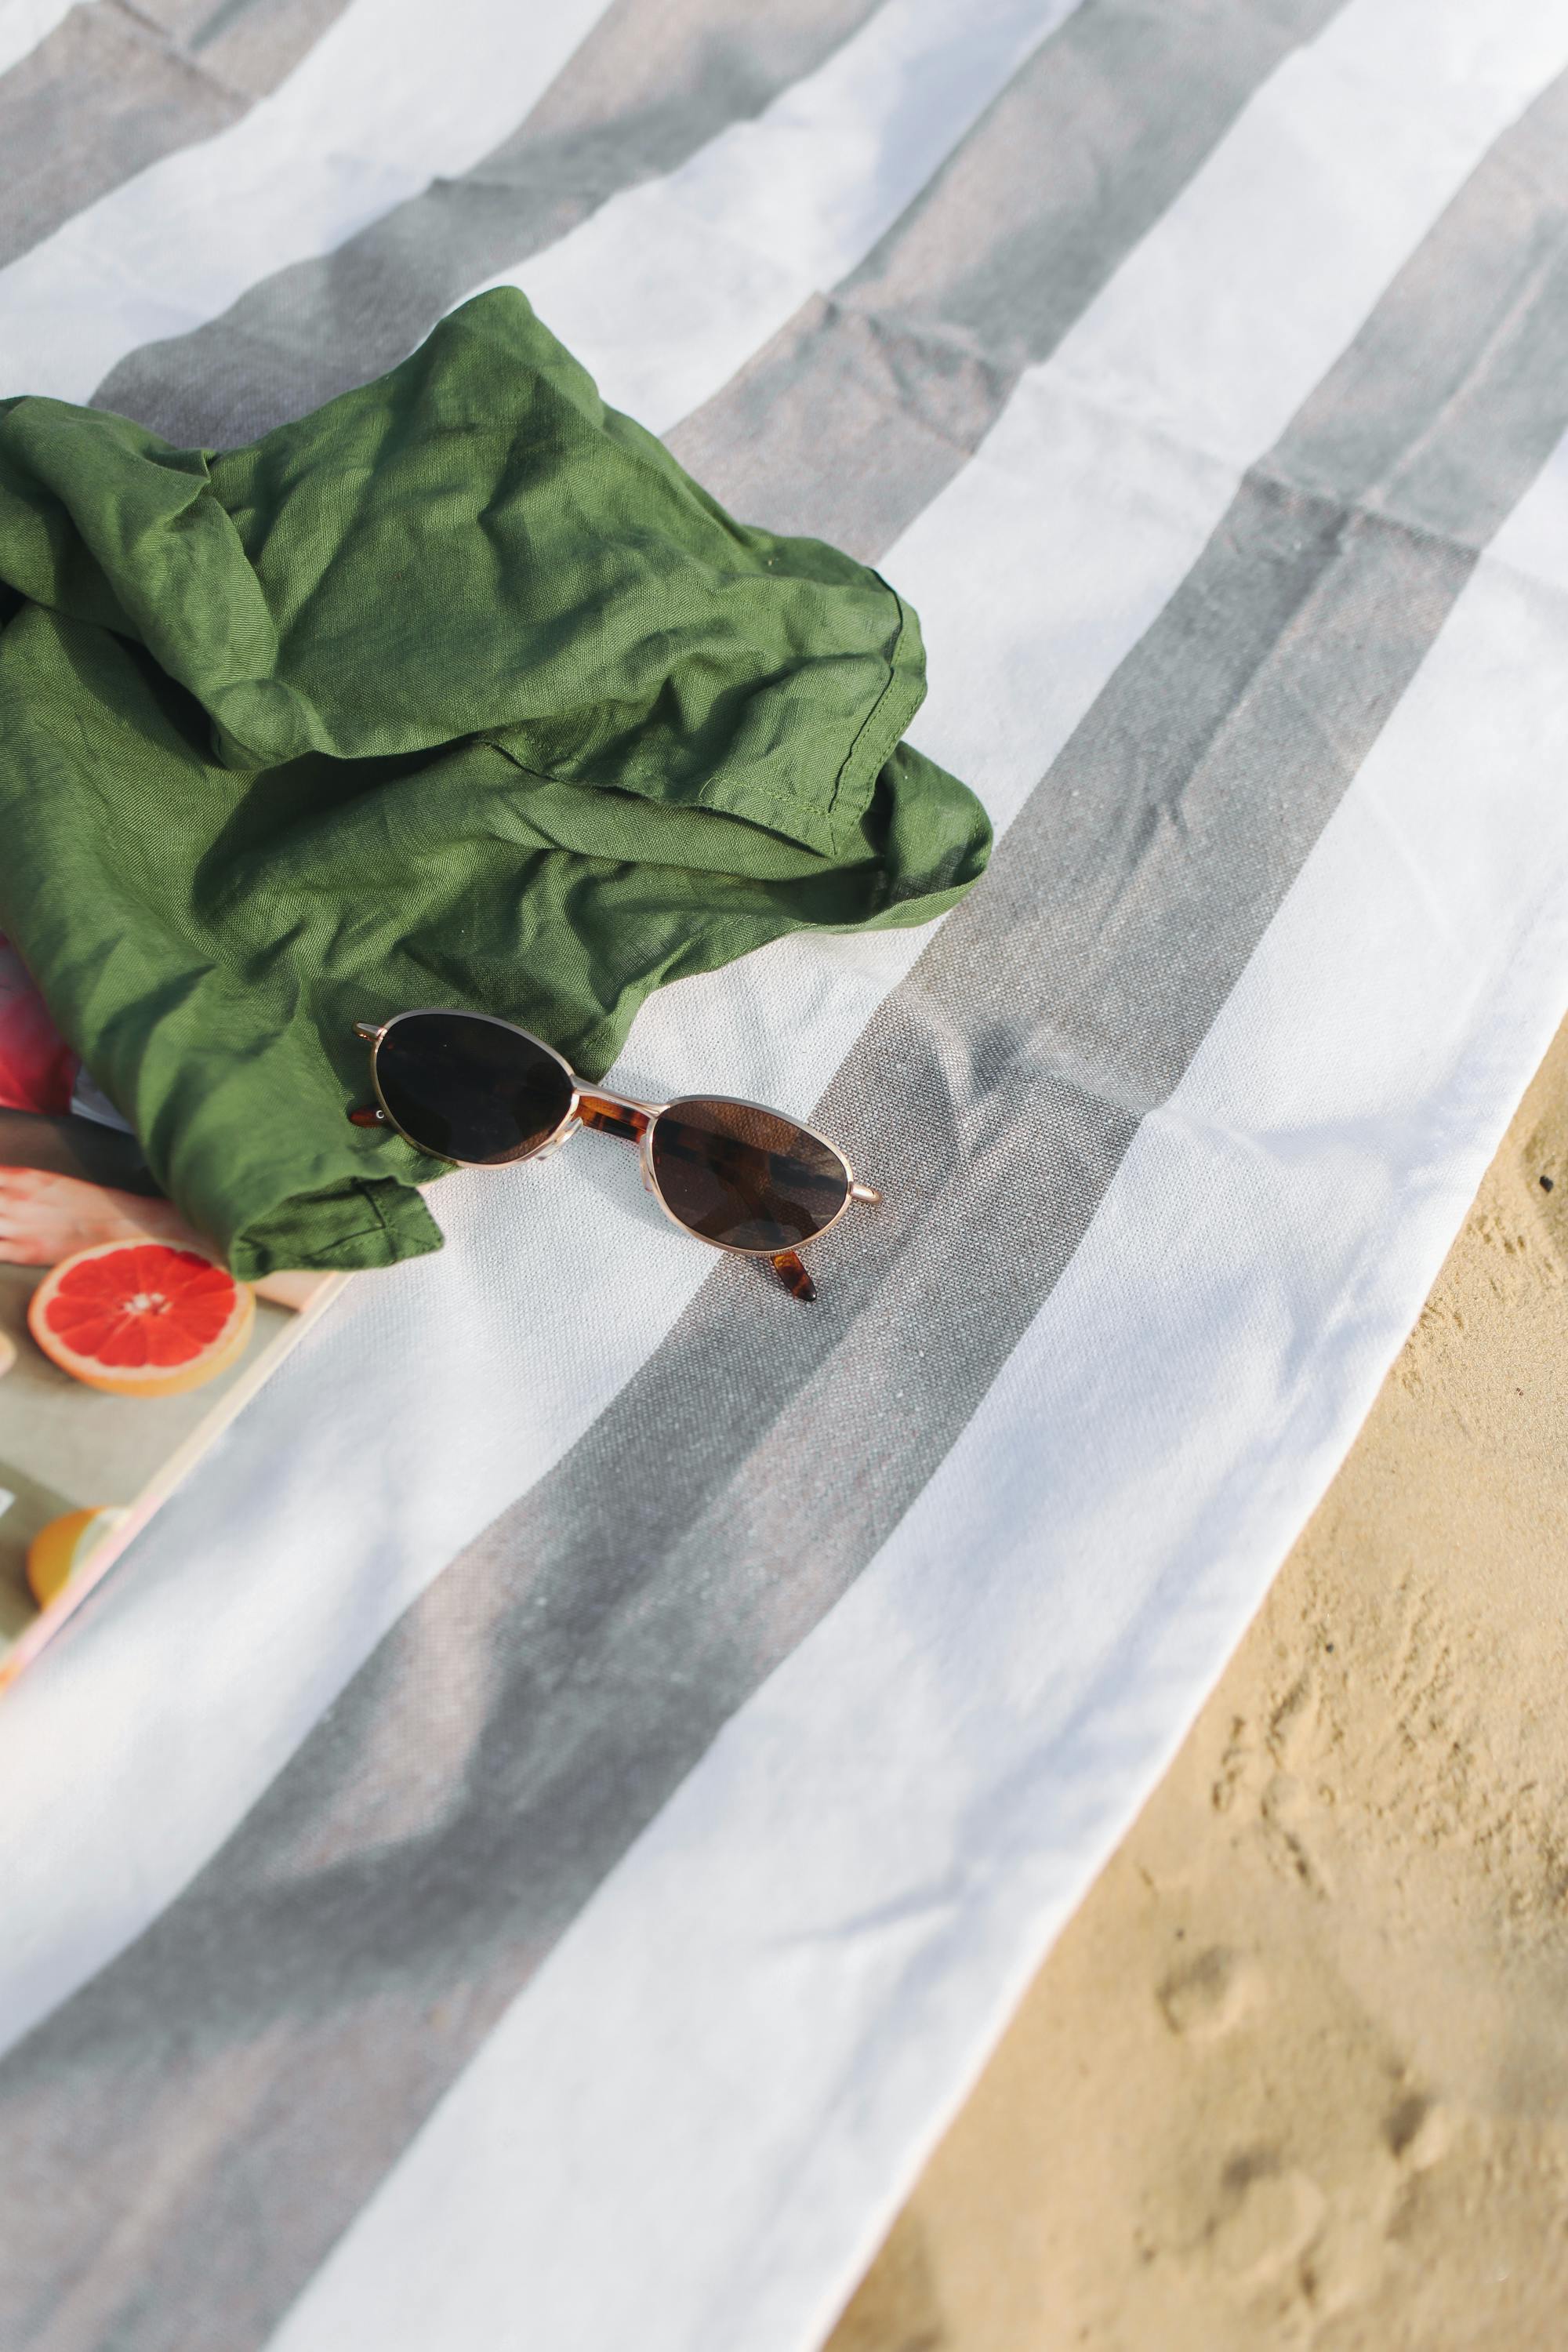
787 809
382 1230
757 794
877 707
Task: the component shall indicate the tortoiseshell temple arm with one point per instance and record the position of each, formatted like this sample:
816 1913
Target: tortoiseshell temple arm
613 1118
794 1277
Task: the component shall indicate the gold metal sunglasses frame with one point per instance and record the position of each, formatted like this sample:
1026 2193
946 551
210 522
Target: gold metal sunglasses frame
633 1121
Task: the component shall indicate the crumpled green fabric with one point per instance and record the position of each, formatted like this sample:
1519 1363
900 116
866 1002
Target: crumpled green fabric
457 692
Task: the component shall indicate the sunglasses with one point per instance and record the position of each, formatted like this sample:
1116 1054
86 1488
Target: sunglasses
467 1087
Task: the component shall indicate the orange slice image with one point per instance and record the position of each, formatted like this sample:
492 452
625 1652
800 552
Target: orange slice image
140 1319
57 1550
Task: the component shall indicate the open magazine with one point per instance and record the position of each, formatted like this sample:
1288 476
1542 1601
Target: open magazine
125 1347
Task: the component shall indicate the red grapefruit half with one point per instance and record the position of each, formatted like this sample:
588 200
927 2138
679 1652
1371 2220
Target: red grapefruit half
140 1319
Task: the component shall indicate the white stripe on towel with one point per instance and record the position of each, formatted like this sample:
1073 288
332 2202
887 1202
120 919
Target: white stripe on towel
24 24
668 288
392 95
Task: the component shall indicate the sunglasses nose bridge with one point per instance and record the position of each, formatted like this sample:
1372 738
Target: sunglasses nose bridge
562 1134
649 1110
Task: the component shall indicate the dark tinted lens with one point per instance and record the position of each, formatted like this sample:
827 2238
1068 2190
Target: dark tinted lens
738 1174
470 1089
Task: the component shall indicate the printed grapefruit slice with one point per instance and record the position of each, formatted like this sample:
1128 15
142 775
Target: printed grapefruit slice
140 1319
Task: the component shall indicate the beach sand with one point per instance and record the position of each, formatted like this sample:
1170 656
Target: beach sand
1297 2073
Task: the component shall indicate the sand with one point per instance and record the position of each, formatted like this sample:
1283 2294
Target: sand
1297 2073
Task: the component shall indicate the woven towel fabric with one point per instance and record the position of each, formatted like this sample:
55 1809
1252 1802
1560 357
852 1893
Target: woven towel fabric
535 1841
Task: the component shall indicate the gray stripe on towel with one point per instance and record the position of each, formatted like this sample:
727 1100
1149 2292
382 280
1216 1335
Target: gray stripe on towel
107 94
863 407
653 82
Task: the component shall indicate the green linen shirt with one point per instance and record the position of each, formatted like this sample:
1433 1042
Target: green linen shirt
457 692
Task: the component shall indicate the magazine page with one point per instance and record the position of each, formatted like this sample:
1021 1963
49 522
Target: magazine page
125 1345
82 1469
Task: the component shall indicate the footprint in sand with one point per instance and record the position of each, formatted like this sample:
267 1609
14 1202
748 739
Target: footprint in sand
1544 1167
1204 1996
1273 2218
1416 2131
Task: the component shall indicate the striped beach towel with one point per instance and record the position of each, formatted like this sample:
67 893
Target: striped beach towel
530 1848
